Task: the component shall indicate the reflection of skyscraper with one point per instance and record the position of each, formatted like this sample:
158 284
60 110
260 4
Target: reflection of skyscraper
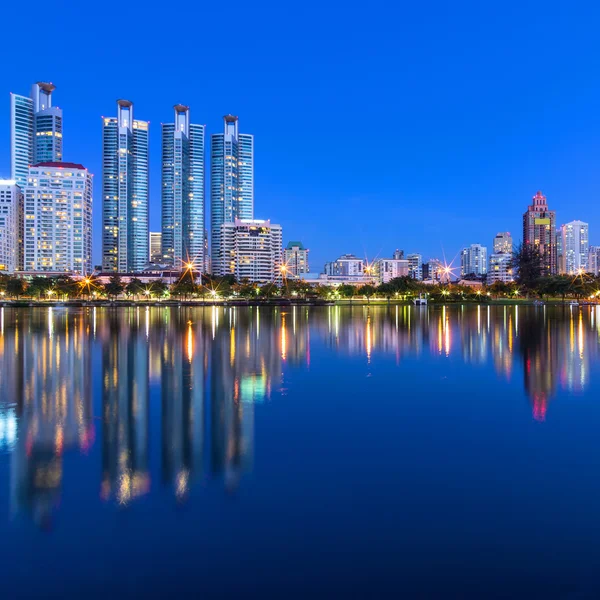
183 425
125 361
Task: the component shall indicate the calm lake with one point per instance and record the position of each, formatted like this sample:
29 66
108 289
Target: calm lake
353 452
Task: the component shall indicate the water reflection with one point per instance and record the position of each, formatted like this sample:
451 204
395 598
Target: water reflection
62 371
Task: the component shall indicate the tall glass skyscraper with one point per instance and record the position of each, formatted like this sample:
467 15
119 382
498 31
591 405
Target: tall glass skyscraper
125 188
232 183
183 191
35 131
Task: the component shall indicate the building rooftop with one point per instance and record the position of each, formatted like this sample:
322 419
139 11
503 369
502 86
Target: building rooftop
61 165
294 244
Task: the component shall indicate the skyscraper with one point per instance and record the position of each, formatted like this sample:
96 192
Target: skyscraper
232 183
473 260
11 199
124 191
415 266
594 260
503 243
35 131
539 225
295 259
183 190
58 218
155 242
574 247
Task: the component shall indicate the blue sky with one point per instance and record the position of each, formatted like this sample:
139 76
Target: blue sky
421 126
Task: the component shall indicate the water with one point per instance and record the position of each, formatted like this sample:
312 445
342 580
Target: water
300 452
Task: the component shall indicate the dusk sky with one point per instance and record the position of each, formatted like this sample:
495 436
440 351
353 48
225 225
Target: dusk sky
378 125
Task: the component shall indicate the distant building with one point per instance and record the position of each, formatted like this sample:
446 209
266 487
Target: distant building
500 268
473 261
346 265
251 249
125 188
11 204
155 245
295 259
560 258
398 254
539 226
35 131
574 247
594 260
433 270
415 266
386 269
503 243
58 219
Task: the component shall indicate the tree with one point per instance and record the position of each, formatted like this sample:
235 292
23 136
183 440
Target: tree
15 287
158 288
527 262
346 291
185 287
39 286
115 286
135 287
367 291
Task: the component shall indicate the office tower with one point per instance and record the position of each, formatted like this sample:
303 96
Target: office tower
155 245
252 250
560 256
415 266
433 270
594 260
500 268
58 218
398 254
386 269
473 261
124 191
232 183
574 247
295 259
11 206
183 191
503 243
346 265
35 131
539 225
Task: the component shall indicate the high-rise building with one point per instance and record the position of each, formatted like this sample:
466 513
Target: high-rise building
386 269
11 204
252 250
35 131
539 226
574 247
58 218
500 268
155 244
231 185
124 191
503 243
183 191
415 266
346 265
295 259
433 270
594 260
473 260
398 254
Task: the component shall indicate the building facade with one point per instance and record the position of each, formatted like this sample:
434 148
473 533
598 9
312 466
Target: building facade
415 266
35 131
503 243
594 260
124 191
11 206
182 195
345 265
500 268
386 269
473 261
231 184
295 259
155 246
58 218
572 257
252 250
539 226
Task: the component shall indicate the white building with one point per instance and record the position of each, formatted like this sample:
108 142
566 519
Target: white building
500 268
295 259
251 249
415 266
58 218
155 245
575 247
473 260
386 269
503 243
346 265
11 199
594 260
